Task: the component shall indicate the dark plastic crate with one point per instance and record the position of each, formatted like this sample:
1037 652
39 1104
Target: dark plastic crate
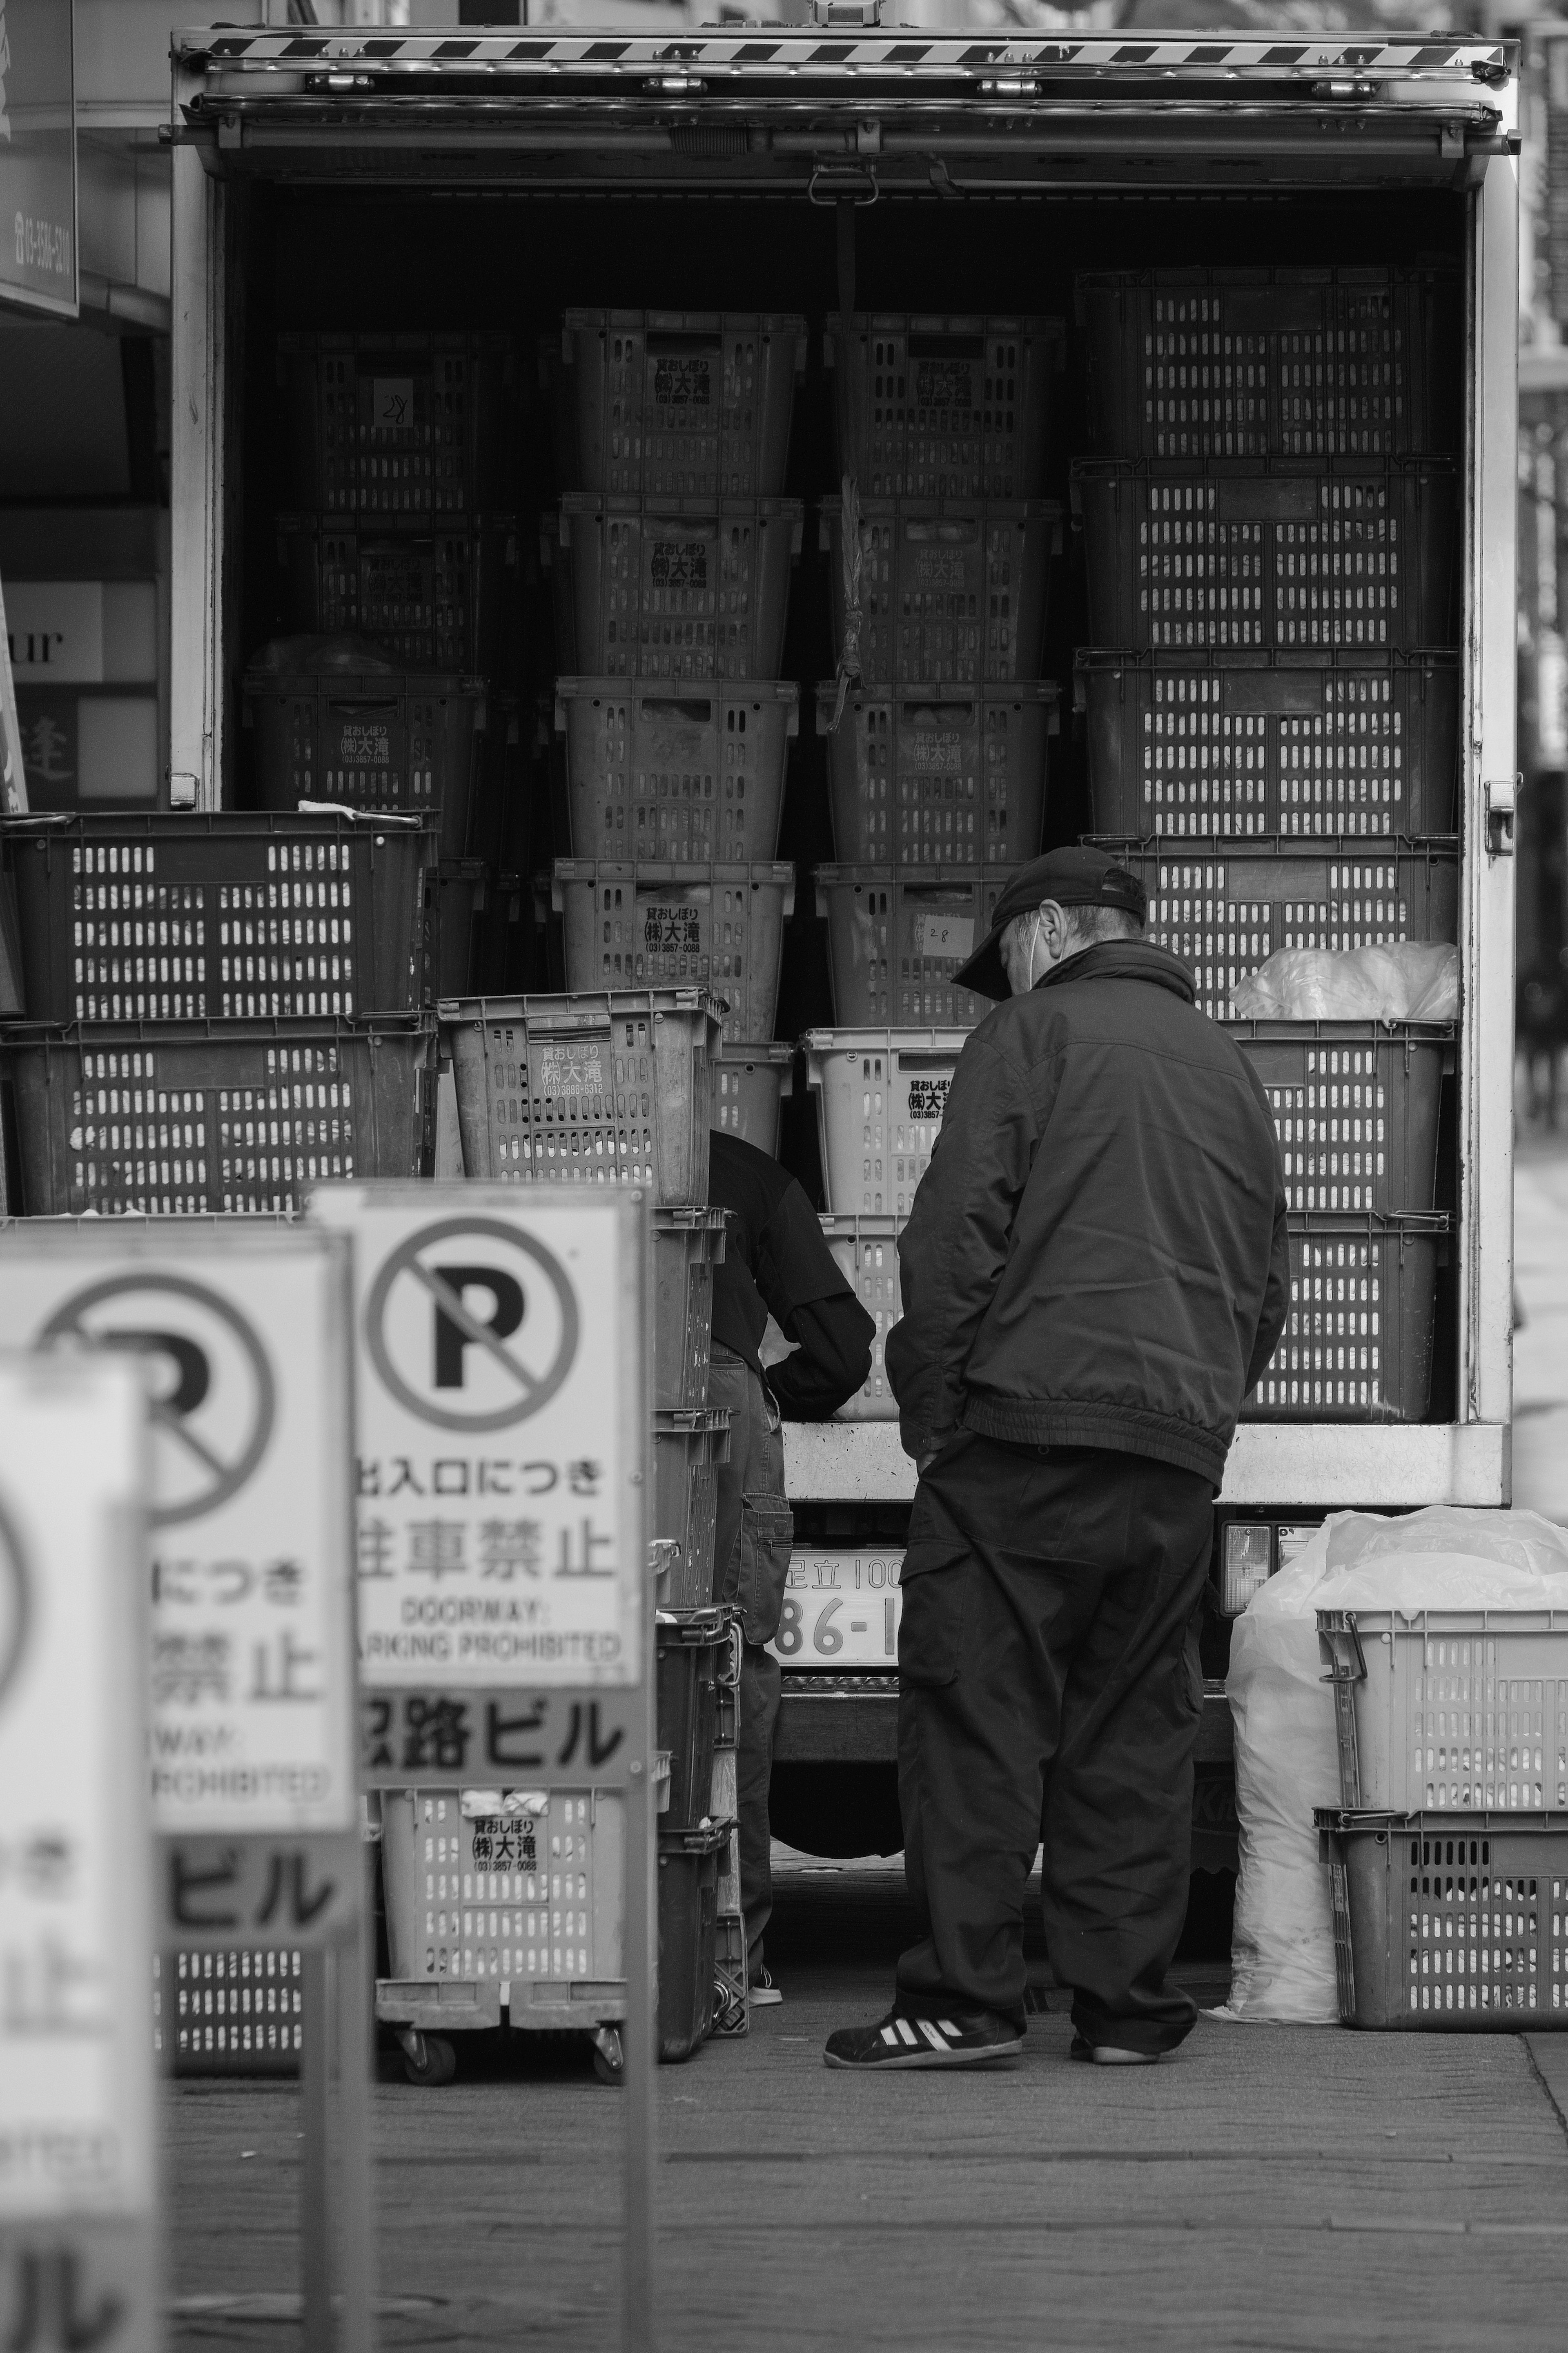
238 2010
442 599
932 407
949 591
1357 1343
403 427
678 589
1275 555
693 1651
676 403
376 741
718 928
1274 363
692 773
941 775
1448 1923
462 886
176 1117
597 1089
1225 914
688 1244
689 1864
895 940
216 918
1205 744
1355 1108
688 1445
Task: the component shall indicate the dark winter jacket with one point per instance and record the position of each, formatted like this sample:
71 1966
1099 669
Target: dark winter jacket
1096 1255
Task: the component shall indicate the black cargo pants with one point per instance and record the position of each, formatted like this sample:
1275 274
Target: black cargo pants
1050 1687
750 1561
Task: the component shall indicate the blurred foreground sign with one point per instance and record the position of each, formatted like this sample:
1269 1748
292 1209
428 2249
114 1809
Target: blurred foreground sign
38 156
78 2150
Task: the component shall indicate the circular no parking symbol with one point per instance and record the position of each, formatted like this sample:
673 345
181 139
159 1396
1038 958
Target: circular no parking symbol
472 1324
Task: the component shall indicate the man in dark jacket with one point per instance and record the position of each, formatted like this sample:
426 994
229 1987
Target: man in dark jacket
1095 1273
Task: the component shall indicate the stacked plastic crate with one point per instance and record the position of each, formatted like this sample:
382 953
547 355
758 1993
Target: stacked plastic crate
396 556
938 731
1272 707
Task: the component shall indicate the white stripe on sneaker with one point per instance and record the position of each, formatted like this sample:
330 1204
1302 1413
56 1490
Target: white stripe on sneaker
905 2031
937 2041
948 2027
888 2035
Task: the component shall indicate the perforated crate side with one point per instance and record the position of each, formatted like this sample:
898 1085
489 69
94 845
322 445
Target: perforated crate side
1450 1922
866 1251
685 589
718 928
401 428
687 1448
689 1866
880 1097
408 746
439 599
893 944
676 775
1225 912
688 1244
944 775
178 1118
1204 745
1287 362
594 1088
753 1079
1271 556
1358 1338
676 404
235 2011
933 407
690 1652
1355 1107
948 590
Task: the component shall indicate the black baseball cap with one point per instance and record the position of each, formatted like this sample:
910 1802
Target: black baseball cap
1073 878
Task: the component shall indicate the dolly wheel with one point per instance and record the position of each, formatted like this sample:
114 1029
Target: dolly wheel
433 2062
609 2059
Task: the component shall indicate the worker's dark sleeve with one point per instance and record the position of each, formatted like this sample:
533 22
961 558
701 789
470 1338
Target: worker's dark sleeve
831 1362
1276 1297
955 1243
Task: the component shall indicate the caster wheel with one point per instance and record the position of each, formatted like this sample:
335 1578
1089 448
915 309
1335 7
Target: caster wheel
610 2066
439 2066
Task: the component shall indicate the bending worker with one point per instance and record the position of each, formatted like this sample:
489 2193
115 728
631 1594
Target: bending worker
1094 1274
775 1264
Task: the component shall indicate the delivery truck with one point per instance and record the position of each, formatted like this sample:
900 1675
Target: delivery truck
1148 422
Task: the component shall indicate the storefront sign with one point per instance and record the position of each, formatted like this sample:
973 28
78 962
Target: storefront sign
37 155
77 2148
244 1330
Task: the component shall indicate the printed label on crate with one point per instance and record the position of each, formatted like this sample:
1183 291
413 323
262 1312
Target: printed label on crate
947 937
683 381
671 928
680 563
840 1611
501 1436
946 568
251 1658
928 1098
390 403
364 744
943 383
931 751
574 1068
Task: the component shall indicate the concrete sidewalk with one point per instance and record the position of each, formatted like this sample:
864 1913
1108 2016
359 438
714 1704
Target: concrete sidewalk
1267 2187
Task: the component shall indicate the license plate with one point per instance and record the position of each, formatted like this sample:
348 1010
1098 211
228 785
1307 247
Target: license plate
840 1610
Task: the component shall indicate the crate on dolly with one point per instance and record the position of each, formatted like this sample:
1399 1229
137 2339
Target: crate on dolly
1355 1107
401 428
754 1077
598 1088
181 1118
1251 361
1226 911
673 588
880 1095
442 599
1270 554
371 741
929 406
163 917
1359 1333
896 938
938 775
1448 1922
673 772
689 1864
731 2016
949 590
865 1251
671 925
676 403
1212 744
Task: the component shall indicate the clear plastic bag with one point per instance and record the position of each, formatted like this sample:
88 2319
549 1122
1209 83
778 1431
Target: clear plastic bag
1413 980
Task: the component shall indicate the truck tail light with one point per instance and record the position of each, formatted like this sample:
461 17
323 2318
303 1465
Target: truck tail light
1246 1565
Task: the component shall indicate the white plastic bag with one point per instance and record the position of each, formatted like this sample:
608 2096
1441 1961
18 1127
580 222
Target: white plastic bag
1413 980
1287 1758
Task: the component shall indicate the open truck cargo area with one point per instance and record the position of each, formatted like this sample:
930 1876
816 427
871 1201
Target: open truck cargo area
1182 365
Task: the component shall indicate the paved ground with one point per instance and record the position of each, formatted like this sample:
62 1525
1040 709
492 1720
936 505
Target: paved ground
1541 1343
1269 2188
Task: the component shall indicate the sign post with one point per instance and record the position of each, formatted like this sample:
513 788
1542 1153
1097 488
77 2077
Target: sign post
242 1332
78 2161
505 1613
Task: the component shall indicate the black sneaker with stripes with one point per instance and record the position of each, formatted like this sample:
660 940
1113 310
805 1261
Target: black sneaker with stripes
956 2039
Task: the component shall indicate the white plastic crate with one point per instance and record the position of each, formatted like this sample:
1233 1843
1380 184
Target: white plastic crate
718 928
896 938
881 1096
751 1082
1452 1709
938 775
866 1251
685 774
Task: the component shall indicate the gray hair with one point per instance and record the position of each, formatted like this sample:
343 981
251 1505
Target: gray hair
1085 925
